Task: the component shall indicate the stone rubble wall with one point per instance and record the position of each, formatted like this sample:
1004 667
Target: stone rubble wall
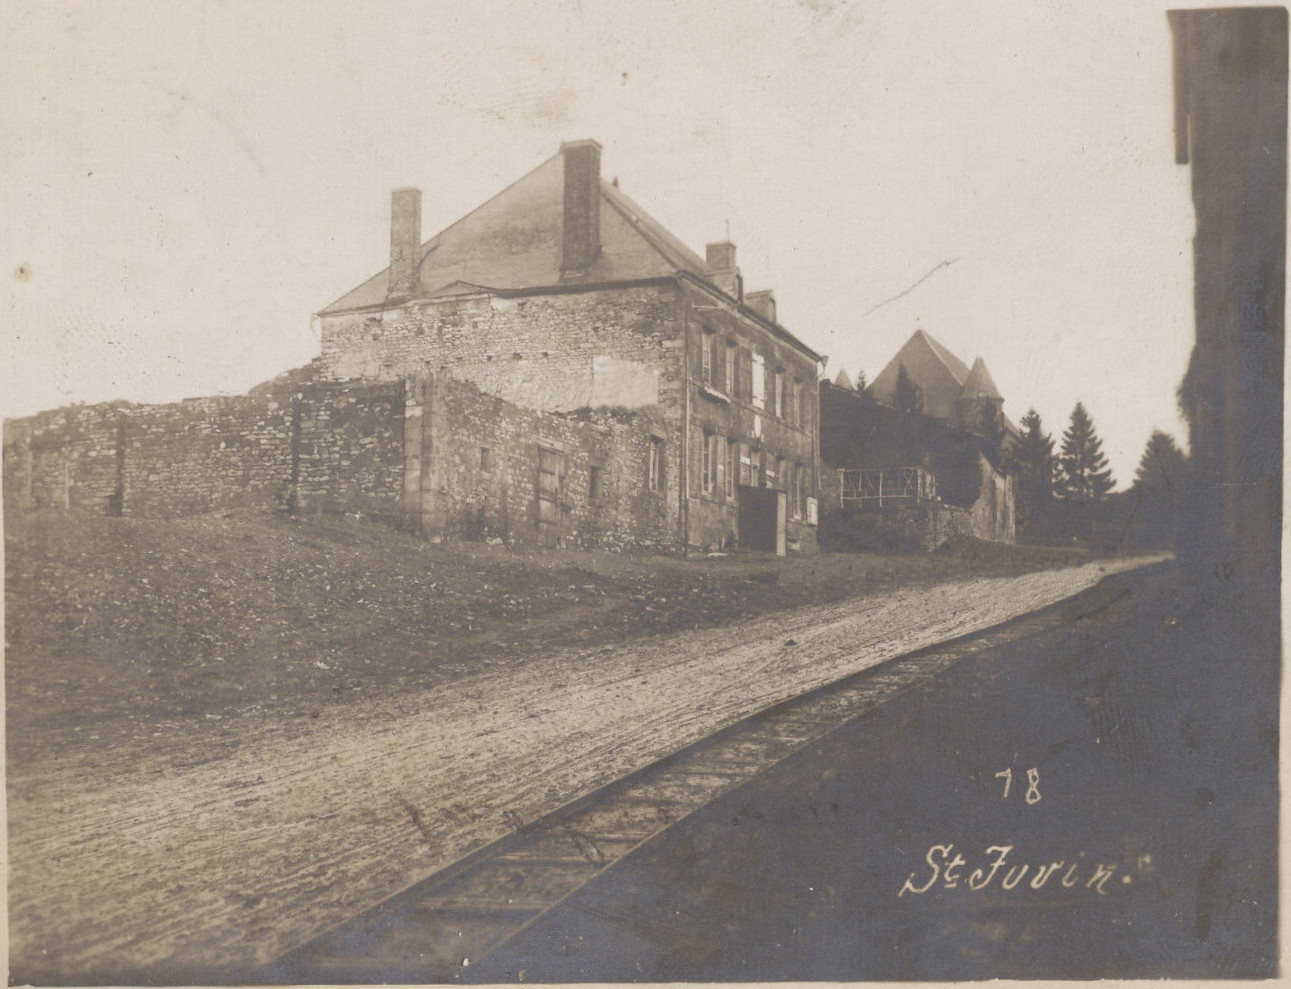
429 452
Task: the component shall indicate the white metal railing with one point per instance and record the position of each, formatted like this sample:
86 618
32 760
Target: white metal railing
886 486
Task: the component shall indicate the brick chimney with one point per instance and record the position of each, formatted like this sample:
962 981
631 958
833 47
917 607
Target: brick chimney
762 303
581 231
722 271
405 240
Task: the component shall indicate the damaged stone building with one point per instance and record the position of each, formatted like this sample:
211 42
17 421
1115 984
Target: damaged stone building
555 369
560 295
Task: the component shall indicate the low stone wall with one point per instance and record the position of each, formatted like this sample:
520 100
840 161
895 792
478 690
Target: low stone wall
204 454
917 528
318 446
432 453
68 459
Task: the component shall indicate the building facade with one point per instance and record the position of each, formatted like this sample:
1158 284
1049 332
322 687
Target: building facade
1230 103
560 295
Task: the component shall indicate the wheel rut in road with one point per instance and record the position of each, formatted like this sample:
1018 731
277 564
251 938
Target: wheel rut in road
435 930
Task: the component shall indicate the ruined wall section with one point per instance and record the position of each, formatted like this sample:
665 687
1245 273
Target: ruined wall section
67 458
428 452
205 454
349 448
993 514
551 352
322 446
481 458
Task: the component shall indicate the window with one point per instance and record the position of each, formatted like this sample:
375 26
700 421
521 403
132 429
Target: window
593 483
706 355
779 394
486 458
732 466
773 472
719 464
706 467
798 475
803 419
746 464
654 473
728 377
795 402
759 382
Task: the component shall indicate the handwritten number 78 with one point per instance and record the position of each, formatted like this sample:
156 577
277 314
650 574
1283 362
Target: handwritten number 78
1032 795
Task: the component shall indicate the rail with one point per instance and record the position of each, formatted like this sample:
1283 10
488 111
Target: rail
887 486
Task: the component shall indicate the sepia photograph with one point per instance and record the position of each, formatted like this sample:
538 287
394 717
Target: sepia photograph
577 492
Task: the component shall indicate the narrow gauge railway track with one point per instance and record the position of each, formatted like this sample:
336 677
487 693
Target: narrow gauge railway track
436 929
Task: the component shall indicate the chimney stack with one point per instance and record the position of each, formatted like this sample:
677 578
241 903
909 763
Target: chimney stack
581 234
405 241
722 271
762 303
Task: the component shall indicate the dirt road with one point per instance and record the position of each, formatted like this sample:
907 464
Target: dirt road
146 854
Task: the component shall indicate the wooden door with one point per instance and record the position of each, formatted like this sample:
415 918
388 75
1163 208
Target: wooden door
547 492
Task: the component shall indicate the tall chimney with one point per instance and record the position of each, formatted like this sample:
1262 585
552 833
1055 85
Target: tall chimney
581 235
762 303
405 240
722 271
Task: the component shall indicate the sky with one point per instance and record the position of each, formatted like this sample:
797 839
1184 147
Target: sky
185 184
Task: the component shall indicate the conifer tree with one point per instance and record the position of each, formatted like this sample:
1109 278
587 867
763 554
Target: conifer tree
861 383
905 396
1163 470
1159 496
1036 467
1086 477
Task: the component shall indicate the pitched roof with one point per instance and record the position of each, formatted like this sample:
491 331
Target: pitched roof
979 383
513 242
843 381
937 373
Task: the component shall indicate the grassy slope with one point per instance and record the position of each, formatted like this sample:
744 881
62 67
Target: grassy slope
116 625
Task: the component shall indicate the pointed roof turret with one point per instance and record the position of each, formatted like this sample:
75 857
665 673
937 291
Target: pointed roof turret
978 384
843 381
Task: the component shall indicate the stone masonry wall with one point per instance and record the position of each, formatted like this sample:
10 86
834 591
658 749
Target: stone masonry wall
556 352
484 454
913 528
608 347
349 448
429 451
321 446
205 454
69 458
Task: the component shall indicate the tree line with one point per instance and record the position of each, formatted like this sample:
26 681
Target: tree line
1068 494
